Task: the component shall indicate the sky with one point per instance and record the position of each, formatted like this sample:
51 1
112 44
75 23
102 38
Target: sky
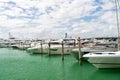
43 19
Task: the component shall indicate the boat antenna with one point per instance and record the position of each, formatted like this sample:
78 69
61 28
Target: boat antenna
117 20
118 4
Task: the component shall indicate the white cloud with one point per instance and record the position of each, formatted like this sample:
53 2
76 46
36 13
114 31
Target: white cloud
76 17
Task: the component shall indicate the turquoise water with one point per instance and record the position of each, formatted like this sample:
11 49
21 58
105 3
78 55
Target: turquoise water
20 65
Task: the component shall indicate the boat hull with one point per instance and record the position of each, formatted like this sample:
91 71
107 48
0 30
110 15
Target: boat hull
104 59
37 50
56 50
105 62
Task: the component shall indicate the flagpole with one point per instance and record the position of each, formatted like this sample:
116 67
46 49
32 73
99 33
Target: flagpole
117 21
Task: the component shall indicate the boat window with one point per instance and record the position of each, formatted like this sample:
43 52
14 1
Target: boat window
97 53
111 53
54 43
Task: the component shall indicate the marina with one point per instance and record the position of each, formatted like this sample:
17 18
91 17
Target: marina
20 65
60 40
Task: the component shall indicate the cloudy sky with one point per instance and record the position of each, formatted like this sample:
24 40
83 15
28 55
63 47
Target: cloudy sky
53 18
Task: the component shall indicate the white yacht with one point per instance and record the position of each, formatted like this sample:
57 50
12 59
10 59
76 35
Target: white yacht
104 59
85 50
55 48
38 49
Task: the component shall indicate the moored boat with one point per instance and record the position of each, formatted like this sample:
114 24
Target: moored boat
104 59
84 50
55 47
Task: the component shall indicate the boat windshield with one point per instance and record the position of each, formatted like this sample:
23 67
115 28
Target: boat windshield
111 53
104 53
97 53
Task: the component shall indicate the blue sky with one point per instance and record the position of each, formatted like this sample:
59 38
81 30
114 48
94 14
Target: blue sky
45 19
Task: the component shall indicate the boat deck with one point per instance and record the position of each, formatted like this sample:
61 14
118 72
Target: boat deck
20 65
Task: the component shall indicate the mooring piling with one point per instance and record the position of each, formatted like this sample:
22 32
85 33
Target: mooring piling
41 49
62 50
74 44
49 48
79 51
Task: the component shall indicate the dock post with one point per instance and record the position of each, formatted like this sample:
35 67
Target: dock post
79 51
74 43
41 47
62 51
49 49
23 45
